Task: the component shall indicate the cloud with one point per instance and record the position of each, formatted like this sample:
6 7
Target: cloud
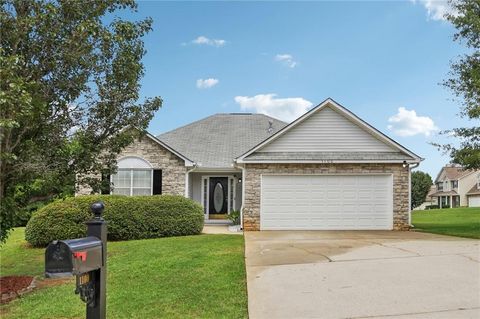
207 83
408 123
286 59
436 9
286 109
202 40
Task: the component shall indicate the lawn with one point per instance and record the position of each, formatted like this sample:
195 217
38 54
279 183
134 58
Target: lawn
179 277
462 222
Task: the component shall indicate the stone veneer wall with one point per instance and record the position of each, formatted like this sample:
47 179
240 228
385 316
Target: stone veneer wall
251 210
173 168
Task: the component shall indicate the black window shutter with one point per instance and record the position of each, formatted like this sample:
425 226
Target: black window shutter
105 188
157 181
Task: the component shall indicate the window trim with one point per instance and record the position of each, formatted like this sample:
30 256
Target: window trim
131 180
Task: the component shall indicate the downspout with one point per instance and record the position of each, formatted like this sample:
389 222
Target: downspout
187 184
410 192
244 176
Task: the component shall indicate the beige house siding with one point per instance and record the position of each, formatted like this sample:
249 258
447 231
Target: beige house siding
328 131
252 181
173 168
464 185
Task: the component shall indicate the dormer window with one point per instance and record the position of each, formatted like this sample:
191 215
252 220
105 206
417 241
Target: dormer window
454 184
440 186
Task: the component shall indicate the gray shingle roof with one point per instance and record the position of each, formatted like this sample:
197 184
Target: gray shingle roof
453 173
305 156
215 141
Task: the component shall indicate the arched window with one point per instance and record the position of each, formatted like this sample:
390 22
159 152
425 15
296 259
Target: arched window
134 177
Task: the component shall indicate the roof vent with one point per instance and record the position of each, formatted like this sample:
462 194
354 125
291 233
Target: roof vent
270 127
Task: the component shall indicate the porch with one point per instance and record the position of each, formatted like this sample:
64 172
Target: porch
219 193
448 201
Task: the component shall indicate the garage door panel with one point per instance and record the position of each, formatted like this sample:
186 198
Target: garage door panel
473 201
326 202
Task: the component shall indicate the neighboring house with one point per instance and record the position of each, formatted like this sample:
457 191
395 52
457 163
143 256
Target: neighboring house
327 170
433 200
454 185
473 195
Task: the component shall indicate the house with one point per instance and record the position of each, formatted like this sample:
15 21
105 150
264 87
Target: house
454 185
327 170
473 195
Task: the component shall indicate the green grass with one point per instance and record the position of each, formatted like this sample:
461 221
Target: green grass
461 222
179 277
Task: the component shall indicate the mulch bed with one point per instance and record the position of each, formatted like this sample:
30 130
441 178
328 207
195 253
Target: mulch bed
13 286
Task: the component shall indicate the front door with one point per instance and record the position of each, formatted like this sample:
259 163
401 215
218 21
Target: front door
218 197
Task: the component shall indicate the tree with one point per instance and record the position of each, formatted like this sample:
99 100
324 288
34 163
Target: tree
421 183
69 89
464 81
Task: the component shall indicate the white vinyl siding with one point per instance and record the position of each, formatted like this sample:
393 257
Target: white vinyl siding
327 131
326 202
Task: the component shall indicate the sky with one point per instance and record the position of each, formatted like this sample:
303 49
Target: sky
384 61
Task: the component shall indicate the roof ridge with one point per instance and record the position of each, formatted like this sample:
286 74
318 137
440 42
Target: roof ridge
270 117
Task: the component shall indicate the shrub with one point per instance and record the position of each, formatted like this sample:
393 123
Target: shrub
234 216
431 207
135 217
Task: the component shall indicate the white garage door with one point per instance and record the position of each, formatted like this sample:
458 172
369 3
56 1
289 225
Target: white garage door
326 202
473 201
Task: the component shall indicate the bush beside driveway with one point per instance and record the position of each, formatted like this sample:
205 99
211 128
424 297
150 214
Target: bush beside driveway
128 217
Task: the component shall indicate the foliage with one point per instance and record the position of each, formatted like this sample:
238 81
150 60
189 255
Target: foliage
461 221
421 183
234 216
464 81
128 218
24 213
176 277
432 207
69 87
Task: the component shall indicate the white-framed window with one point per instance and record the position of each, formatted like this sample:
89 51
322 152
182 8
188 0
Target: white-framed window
134 177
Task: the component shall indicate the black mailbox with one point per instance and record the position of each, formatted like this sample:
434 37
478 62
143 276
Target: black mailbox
73 257
86 259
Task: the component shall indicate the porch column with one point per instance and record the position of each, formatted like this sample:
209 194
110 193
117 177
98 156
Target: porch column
440 200
451 202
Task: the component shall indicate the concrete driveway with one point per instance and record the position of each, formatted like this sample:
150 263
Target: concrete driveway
361 274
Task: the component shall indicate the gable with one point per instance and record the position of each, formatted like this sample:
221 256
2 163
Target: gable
327 131
441 175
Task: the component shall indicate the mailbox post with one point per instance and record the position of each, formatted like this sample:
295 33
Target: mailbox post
97 227
86 258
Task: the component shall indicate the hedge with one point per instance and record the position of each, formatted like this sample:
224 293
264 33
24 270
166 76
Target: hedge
135 217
